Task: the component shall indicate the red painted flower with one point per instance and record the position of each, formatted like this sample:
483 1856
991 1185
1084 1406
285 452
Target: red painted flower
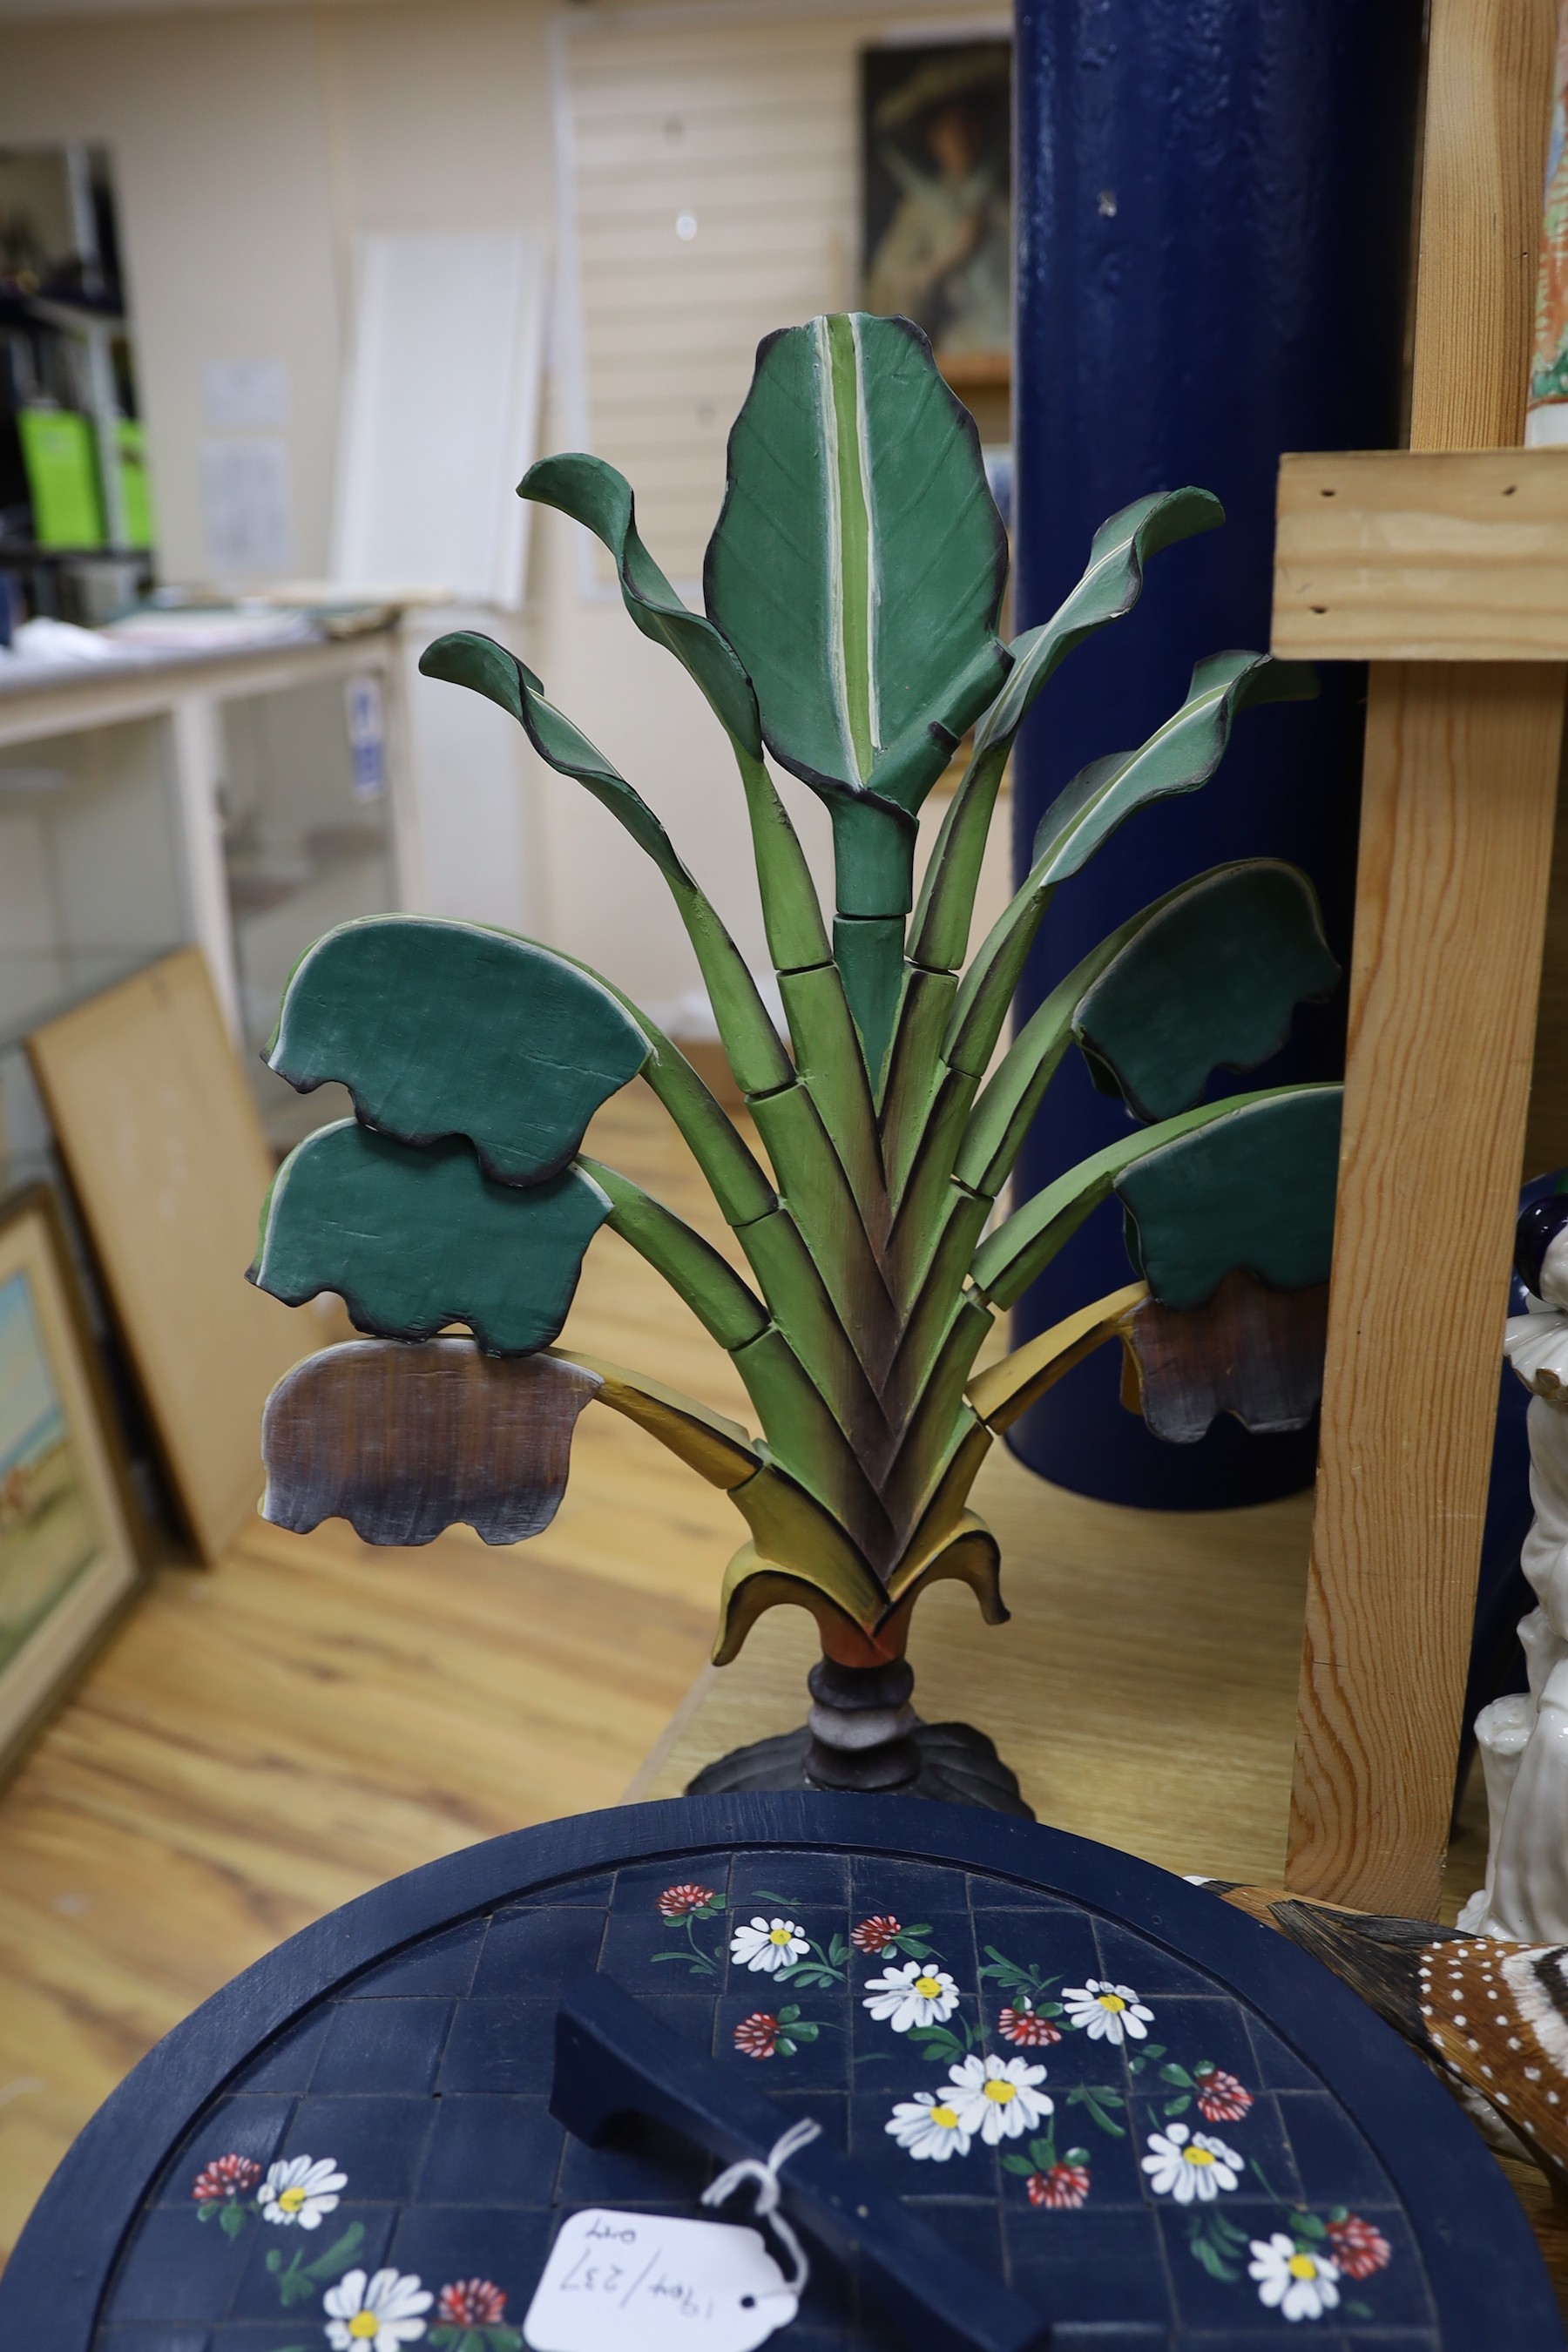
874 1934
677 1901
472 2303
1358 2248
757 2036
227 2175
1026 2027
1221 2097
1062 2185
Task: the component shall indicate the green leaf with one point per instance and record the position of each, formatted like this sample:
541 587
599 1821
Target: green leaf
442 1028
858 565
466 658
1178 2075
338 2256
1108 589
230 2220
1308 2226
1008 1260
729 1309
1254 1187
413 1240
1018 2164
1178 2106
594 494
1210 980
1177 758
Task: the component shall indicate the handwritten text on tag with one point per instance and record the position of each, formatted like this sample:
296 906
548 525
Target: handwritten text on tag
639 2283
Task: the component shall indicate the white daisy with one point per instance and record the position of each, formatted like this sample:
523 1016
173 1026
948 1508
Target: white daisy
1107 2012
996 2098
1187 2165
1302 2287
916 1994
929 2127
301 2190
376 2315
769 1945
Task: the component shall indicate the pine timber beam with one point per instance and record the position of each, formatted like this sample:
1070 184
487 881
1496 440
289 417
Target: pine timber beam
1459 804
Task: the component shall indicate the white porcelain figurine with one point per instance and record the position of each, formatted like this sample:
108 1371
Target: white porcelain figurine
1523 1738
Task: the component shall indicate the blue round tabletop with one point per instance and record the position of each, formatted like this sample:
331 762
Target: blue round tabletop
1158 2124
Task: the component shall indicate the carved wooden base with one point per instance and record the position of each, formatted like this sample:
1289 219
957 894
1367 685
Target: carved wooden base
953 1763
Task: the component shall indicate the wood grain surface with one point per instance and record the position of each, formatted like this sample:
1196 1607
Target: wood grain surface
1422 555
1458 812
1490 82
165 1149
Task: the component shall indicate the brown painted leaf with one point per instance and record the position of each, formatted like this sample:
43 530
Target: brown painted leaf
402 1441
1252 1352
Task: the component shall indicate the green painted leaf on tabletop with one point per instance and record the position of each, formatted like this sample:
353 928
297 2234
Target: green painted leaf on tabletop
858 562
1211 980
1177 758
440 1028
594 494
413 1240
1253 1189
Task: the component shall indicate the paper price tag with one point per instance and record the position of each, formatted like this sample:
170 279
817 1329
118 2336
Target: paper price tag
639 2283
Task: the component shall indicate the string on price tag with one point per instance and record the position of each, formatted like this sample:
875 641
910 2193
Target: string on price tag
641 2282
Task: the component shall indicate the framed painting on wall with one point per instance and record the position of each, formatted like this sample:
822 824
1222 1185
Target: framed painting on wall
938 199
67 1559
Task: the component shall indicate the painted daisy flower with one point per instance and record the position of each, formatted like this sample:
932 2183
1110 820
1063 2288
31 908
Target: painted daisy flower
1061 2186
472 2303
226 2176
915 1994
1107 2012
876 1934
1026 2027
757 2036
1221 2099
301 2188
1297 2285
676 1902
996 2098
1357 2247
928 2127
380 2313
1190 2165
768 1945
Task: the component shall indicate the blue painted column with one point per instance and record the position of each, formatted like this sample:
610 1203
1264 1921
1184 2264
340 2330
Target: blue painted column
1213 203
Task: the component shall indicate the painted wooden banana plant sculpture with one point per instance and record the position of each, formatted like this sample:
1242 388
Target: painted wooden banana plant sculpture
852 588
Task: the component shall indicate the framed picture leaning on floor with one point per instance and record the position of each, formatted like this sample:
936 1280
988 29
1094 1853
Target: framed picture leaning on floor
68 1560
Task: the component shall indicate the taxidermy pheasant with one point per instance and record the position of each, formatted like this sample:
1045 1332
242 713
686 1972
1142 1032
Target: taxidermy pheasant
1490 2017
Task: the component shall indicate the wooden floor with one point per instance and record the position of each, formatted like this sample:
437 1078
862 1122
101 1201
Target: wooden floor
263 1741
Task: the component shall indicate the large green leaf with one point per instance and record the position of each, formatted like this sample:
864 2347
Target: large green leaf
412 1240
1253 1191
594 494
1210 980
858 562
442 1028
1177 758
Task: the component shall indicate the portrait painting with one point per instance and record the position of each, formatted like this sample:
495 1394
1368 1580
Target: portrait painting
938 192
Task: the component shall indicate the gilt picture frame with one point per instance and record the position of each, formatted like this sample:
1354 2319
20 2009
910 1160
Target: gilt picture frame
68 1558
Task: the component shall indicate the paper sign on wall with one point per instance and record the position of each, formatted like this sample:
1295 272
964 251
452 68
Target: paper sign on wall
641 2282
246 515
245 396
